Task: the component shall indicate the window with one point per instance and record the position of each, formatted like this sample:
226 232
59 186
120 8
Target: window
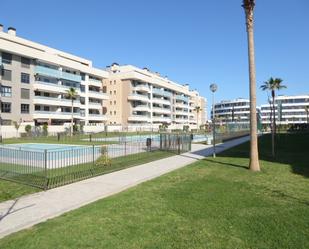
111 102
115 92
6 58
25 62
111 113
114 112
46 108
6 74
5 107
114 102
110 82
114 82
24 108
25 93
25 78
111 92
6 91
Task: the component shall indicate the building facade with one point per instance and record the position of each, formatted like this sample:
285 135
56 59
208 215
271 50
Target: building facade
237 110
288 110
35 80
139 96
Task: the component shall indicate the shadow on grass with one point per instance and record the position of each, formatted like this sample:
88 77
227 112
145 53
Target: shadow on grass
292 149
226 164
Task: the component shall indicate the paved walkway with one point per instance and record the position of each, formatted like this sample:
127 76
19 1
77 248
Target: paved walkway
29 210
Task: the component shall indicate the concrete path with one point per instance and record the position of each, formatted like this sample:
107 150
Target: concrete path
29 210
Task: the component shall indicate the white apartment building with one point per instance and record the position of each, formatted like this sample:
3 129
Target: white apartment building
139 96
35 79
288 110
237 110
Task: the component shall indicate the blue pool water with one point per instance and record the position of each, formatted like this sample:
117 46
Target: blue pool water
41 146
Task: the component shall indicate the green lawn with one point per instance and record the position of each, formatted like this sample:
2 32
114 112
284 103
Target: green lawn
214 203
61 176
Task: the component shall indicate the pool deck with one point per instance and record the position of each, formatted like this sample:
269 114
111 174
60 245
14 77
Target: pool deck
29 210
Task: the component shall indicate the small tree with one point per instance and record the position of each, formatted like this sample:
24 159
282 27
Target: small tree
45 129
197 109
16 125
28 129
71 93
272 85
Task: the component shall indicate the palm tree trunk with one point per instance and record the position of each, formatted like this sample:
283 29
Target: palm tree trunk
273 126
72 117
254 156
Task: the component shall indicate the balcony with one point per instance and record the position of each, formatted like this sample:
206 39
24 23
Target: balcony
139 118
181 120
141 108
181 105
52 87
161 92
161 101
183 98
97 117
161 119
94 105
184 113
98 95
50 72
142 88
43 100
161 110
140 97
94 82
54 115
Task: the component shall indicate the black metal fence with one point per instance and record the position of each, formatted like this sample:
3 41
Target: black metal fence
44 167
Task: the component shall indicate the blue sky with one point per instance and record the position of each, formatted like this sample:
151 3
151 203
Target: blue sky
197 42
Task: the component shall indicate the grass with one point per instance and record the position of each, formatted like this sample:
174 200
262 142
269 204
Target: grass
62 176
11 190
214 203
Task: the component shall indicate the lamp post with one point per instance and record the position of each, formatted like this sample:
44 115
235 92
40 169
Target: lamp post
213 89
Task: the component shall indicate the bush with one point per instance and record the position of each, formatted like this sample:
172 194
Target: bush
28 129
103 160
45 129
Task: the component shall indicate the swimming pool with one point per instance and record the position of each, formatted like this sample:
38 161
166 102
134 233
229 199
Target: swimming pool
43 147
49 156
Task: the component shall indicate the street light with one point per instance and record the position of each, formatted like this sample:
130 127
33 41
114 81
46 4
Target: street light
213 88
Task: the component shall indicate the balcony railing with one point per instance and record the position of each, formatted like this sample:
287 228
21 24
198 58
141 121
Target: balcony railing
161 92
57 73
183 98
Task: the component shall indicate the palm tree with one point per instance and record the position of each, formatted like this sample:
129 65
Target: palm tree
197 109
71 93
254 165
272 85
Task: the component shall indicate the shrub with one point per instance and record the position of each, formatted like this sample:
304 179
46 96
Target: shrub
28 129
45 129
103 160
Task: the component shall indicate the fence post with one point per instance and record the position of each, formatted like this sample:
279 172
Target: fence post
58 136
178 141
90 138
45 169
93 154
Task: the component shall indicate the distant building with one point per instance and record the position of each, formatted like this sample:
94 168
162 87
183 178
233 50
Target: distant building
289 110
237 110
140 96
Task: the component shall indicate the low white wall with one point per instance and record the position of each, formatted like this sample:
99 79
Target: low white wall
93 128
